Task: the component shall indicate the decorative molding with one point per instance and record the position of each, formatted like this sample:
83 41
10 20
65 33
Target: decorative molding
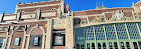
4 29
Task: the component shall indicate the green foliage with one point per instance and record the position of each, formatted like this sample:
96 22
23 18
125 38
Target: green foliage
31 2
38 1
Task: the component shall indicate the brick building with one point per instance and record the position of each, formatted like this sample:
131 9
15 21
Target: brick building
51 25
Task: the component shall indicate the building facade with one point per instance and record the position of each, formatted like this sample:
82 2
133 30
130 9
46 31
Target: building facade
51 25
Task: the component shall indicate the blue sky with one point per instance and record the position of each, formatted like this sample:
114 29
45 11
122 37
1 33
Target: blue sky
75 5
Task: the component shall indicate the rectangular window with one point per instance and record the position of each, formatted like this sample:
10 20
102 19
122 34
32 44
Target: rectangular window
122 45
77 46
99 46
135 45
115 45
127 45
93 46
58 40
17 42
82 46
104 45
139 44
36 41
88 45
110 45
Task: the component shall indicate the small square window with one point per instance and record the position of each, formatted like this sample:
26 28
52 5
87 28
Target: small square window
17 42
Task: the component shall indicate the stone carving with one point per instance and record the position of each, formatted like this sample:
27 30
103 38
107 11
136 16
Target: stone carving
19 16
38 16
83 22
118 15
97 19
20 28
138 16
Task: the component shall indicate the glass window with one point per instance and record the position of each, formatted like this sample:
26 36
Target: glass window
79 34
88 45
121 31
110 45
127 45
1 43
36 41
99 32
99 46
93 46
139 44
133 31
82 46
115 45
104 45
122 45
110 32
89 33
77 45
135 45
59 40
17 42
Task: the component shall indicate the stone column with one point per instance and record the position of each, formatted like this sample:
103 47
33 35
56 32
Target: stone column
69 35
49 33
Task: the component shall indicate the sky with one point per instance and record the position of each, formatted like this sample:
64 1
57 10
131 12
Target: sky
75 5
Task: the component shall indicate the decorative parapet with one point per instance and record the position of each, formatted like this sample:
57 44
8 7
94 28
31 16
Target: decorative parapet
120 16
138 16
20 28
117 16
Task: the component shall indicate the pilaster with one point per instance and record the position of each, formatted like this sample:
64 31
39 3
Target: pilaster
49 34
69 35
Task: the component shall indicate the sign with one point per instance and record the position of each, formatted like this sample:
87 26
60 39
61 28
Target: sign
58 40
17 41
36 41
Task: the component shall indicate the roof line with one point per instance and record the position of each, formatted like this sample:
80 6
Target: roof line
102 9
137 2
36 2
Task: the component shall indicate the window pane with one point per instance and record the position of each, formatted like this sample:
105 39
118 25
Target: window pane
139 44
82 46
127 45
104 46
93 46
99 46
115 45
135 45
122 45
77 45
88 45
110 45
